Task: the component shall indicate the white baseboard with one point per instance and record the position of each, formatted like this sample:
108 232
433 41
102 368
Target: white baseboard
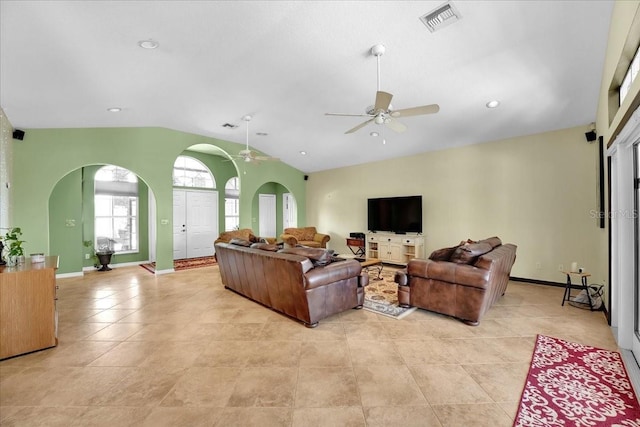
64 275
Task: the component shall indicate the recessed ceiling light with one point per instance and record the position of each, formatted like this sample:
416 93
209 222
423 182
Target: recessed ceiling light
114 109
303 153
148 44
493 104
374 134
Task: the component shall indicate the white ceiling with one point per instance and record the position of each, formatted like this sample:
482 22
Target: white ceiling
63 63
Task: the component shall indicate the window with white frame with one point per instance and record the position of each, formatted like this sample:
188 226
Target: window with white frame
190 172
116 209
630 76
232 204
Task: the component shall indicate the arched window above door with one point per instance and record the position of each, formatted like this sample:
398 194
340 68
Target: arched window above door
190 172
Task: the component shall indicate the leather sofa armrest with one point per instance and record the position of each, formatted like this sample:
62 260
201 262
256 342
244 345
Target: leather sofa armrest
333 272
401 278
445 271
289 239
322 239
364 279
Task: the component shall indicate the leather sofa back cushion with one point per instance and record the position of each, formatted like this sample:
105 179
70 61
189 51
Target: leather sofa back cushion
240 242
266 246
318 257
469 252
493 241
442 254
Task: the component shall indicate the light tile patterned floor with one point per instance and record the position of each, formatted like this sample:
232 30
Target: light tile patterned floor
180 350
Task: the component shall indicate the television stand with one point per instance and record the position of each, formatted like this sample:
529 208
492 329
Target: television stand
392 248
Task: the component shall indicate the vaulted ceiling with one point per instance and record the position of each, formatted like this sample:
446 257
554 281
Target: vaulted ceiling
63 64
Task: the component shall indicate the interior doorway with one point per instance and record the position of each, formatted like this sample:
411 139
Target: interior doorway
267 215
195 223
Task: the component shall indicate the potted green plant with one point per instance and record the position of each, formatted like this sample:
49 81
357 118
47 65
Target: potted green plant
14 253
94 257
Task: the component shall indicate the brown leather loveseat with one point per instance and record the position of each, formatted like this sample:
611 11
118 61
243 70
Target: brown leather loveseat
302 283
463 281
305 236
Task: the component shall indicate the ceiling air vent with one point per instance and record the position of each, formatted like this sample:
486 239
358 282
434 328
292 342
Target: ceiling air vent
440 17
229 126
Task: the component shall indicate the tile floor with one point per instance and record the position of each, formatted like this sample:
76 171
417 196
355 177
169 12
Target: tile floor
179 350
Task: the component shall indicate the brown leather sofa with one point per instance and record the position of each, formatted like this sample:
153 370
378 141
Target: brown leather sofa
288 281
463 281
305 236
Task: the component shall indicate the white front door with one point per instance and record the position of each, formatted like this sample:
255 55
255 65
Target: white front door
195 223
202 222
267 214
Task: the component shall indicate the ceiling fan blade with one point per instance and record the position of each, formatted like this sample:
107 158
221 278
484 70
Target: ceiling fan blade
383 99
347 115
360 126
416 111
395 125
266 158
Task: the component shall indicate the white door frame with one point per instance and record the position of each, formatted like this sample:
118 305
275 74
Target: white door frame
623 292
289 211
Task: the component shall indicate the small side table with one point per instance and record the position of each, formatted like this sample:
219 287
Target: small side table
356 243
583 285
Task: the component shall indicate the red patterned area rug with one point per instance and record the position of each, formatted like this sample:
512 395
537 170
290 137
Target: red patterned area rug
185 264
571 384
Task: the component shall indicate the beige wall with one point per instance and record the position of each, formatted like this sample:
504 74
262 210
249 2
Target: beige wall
539 192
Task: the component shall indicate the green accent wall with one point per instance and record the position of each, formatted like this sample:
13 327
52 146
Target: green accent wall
65 220
49 155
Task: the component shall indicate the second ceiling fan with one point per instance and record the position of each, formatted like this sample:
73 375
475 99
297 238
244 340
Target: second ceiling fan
382 112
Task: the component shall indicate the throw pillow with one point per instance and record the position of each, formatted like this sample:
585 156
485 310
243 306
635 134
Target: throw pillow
265 246
240 242
319 257
469 252
442 254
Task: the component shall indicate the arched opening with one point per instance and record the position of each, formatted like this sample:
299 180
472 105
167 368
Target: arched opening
78 206
195 209
274 207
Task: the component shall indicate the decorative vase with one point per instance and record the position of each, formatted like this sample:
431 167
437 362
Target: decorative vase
104 258
12 260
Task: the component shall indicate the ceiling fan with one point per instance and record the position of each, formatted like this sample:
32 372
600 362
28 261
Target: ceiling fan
248 155
382 112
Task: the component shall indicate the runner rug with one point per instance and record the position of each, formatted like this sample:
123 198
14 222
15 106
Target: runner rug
381 296
184 264
571 384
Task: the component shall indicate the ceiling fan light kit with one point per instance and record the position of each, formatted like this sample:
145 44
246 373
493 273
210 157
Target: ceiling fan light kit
382 112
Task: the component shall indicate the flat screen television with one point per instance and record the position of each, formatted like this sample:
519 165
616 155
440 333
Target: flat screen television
395 214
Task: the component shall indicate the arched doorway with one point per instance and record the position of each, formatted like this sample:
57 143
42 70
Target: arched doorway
195 209
80 209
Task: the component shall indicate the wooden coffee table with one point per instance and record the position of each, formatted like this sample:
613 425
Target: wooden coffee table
372 262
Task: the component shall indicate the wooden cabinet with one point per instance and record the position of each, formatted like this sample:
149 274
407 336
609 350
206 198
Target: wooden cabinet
394 248
28 316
